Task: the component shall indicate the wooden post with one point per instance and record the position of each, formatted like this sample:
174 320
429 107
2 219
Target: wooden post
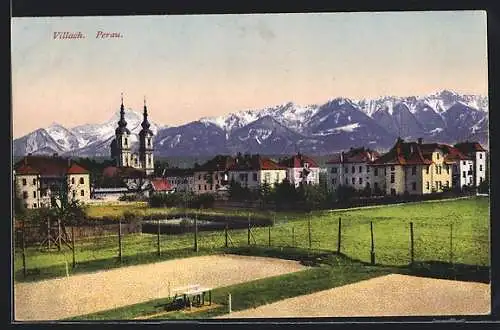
269 235
412 248
48 231
23 243
229 302
59 234
225 232
196 232
309 229
120 240
451 243
293 236
339 235
73 244
372 252
158 239
248 229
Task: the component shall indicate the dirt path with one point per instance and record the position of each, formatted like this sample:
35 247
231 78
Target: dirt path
391 295
87 293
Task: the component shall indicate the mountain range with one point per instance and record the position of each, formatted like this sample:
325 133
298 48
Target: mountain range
320 129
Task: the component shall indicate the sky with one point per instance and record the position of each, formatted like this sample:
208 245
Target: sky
193 66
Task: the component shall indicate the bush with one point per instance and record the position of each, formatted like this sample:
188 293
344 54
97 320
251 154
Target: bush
484 187
129 198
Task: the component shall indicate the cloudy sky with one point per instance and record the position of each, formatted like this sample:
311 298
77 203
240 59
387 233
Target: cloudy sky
207 65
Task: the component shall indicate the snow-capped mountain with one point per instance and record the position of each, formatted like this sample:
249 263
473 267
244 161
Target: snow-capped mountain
338 124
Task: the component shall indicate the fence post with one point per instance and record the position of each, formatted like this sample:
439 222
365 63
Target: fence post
451 243
58 234
269 235
73 244
339 235
225 232
293 236
196 232
229 302
248 229
158 239
309 230
372 252
120 239
23 243
412 248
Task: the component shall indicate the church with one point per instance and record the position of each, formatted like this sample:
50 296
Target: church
127 154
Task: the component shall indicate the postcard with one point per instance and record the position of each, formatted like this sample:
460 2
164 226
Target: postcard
243 166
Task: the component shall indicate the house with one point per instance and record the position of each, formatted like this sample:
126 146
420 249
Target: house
301 169
39 178
412 167
351 168
253 171
462 173
158 186
478 154
212 176
181 179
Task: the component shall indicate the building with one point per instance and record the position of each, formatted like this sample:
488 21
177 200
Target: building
182 180
39 178
127 154
351 168
462 173
212 176
478 154
413 168
301 169
158 186
253 171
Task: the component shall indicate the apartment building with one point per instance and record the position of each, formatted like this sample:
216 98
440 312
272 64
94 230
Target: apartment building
301 169
477 154
212 176
181 179
253 171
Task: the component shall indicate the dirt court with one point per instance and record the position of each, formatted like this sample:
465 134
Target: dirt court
87 293
390 295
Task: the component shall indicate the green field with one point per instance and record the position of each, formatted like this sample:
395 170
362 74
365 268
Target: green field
456 230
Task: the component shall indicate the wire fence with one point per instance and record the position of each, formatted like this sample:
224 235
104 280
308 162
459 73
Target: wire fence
386 242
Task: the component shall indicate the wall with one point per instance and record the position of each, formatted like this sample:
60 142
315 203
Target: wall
274 175
76 188
480 167
32 199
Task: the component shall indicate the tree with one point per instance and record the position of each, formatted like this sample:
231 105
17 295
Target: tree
484 187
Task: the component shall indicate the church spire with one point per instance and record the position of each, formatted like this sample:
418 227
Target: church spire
145 123
122 124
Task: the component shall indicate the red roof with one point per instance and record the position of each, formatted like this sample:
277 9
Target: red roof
297 161
160 184
357 155
48 166
255 163
469 147
406 153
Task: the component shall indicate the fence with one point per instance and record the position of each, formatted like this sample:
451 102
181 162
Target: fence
385 242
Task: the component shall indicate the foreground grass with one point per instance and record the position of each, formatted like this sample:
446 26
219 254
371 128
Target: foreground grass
328 271
432 228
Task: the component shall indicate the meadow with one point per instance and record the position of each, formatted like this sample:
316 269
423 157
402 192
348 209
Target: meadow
444 231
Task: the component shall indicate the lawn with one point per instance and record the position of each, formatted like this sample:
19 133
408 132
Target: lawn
391 225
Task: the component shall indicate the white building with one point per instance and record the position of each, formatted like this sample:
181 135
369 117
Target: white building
478 154
182 180
253 171
301 169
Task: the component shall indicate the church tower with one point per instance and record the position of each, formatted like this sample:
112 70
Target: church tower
146 144
122 141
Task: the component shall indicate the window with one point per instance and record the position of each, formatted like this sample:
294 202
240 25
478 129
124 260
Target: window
34 194
74 193
82 193
447 169
480 156
437 172
414 171
72 180
368 169
25 194
334 170
392 168
34 182
211 187
392 178
413 186
375 171
427 185
427 169
360 169
464 174
126 142
44 193
254 176
393 192
437 155
267 177
199 187
24 182
480 168
447 184
334 181
205 188
440 169
480 179
375 186
353 169
34 205
306 165
353 180
346 169
360 180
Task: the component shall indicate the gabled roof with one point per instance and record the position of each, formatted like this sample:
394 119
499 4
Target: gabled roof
405 153
48 166
255 163
160 184
354 155
469 147
297 161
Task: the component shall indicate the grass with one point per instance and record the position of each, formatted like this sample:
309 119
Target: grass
432 223
328 271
